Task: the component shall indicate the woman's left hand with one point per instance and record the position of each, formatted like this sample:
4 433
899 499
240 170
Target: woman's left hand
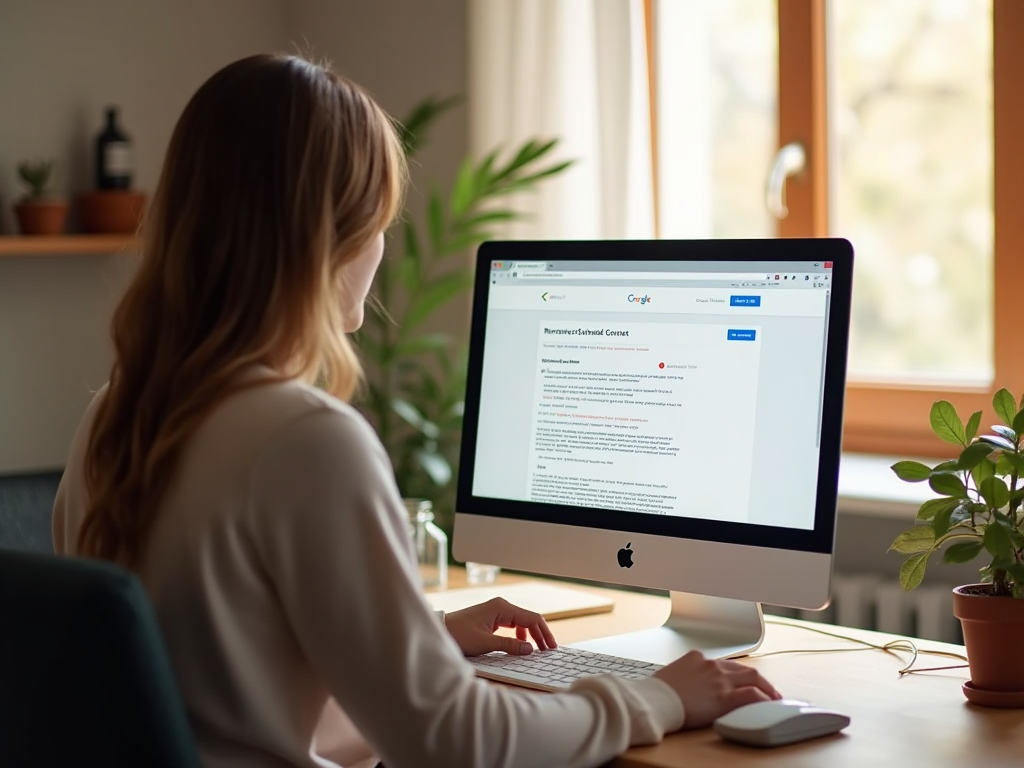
473 628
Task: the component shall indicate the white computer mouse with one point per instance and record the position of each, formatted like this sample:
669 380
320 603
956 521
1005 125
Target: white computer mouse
774 723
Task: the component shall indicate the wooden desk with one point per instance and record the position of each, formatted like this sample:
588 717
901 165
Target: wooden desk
917 720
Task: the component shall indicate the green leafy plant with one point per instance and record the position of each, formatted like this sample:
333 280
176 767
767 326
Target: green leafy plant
979 512
35 174
416 373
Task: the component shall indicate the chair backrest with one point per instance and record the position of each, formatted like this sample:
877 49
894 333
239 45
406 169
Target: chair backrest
26 511
84 675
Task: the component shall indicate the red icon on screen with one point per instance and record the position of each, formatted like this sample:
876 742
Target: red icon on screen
661 365
828 265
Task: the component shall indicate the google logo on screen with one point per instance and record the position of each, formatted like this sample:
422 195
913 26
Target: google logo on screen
634 299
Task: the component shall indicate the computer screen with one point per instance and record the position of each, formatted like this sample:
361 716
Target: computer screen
663 414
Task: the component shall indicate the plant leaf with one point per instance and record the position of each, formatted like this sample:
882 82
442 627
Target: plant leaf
912 570
423 343
410 266
464 192
932 507
435 220
465 241
940 523
1016 570
434 296
961 514
483 173
1006 432
963 551
435 465
1004 519
522 182
981 470
920 538
973 423
997 541
408 269
948 485
1014 462
998 442
973 454
527 153
414 128
946 424
414 418
1018 422
912 471
489 217
995 492
1005 405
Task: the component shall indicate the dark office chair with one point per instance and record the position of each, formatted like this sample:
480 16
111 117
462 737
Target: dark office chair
84 676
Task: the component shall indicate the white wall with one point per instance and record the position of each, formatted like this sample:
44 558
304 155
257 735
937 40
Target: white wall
62 61
401 51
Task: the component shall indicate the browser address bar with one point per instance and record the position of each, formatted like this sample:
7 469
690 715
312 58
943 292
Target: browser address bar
641 276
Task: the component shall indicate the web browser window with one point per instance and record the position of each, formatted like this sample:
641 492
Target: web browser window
661 388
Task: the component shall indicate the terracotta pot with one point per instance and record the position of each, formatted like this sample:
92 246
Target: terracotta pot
41 217
994 635
112 212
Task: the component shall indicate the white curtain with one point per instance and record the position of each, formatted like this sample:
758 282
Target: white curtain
575 70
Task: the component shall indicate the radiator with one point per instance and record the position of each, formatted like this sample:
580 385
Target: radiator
871 602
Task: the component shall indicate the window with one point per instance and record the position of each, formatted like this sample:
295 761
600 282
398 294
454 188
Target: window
914 136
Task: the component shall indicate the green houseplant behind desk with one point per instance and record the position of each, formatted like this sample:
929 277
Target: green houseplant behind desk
915 720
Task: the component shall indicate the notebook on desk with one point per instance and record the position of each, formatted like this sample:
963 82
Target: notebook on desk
549 600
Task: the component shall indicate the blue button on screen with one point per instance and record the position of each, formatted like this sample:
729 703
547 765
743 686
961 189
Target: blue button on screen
736 334
744 301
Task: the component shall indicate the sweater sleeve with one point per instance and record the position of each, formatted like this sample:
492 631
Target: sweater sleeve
328 523
69 505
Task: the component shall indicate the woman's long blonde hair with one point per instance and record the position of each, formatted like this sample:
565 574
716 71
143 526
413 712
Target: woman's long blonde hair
277 174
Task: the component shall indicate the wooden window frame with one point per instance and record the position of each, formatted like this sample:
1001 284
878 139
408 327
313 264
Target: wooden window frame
893 418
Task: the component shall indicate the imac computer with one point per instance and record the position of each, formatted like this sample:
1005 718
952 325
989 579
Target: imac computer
660 414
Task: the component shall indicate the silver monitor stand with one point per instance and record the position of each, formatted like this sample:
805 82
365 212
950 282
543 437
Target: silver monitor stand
719 627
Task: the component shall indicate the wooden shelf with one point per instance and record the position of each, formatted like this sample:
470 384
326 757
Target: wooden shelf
41 245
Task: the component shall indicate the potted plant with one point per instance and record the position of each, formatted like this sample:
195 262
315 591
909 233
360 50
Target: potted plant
979 513
37 213
416 371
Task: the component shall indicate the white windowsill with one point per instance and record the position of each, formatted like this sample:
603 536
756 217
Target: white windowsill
867 486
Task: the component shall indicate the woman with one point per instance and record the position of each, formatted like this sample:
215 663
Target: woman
261 512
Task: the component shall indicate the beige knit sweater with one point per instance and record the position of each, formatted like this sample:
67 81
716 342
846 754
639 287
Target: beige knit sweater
285 583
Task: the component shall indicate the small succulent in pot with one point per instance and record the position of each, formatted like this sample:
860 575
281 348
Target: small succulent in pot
37 212
35 174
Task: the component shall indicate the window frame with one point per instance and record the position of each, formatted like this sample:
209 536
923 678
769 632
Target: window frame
893 418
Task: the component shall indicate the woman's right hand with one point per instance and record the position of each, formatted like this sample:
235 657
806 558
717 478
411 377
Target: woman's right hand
709 688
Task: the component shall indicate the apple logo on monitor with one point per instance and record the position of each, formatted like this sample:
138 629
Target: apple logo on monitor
626 556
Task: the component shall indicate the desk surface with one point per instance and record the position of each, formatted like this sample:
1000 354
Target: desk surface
917 720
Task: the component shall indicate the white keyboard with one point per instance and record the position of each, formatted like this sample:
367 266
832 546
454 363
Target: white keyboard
558 669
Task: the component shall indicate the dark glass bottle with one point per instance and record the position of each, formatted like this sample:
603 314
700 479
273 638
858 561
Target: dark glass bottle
113 156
